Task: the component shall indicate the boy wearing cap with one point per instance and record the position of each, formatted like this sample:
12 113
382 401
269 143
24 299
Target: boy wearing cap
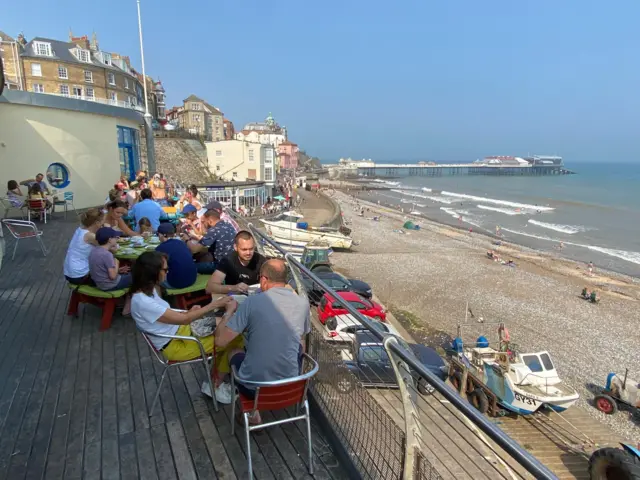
104 268
182 270
217 206
191 225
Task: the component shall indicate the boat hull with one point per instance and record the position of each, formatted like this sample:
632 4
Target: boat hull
300 237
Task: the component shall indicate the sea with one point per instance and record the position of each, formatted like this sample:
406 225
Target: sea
592 216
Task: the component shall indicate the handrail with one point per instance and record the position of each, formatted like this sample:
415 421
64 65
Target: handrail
510 446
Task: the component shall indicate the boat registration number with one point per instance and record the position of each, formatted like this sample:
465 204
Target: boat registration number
527 400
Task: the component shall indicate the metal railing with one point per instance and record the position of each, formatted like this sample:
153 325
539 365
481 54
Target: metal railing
104 101
379 444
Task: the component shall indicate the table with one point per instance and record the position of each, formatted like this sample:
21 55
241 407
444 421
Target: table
137 251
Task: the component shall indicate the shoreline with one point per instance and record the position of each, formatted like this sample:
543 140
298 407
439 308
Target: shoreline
432 272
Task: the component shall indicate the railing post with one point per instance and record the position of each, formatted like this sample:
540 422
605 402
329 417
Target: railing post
412 430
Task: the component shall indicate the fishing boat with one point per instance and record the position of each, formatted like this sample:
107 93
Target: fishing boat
288 228
522 383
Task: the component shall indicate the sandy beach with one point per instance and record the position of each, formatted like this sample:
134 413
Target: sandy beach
426 277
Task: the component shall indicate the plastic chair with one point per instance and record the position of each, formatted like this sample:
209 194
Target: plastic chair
7 207
67 200
38 207
274 395
204 357
21 229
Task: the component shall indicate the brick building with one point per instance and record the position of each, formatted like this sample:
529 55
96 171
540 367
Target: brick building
198 117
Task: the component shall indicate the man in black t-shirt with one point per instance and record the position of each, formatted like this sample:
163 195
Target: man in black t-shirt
238 270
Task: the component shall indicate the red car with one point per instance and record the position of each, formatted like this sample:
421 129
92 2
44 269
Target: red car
327 308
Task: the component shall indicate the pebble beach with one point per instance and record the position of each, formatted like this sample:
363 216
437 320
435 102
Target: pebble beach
427 277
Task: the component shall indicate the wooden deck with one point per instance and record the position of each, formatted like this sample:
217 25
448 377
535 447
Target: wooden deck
74 401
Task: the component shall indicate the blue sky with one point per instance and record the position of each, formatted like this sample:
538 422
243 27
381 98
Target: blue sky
408 80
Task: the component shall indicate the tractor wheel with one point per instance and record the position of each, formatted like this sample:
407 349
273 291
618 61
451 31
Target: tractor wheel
613 464
479 399
456 380
605 404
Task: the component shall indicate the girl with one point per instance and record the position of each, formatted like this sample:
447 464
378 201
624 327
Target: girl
76 261
146 230
115 211
36 193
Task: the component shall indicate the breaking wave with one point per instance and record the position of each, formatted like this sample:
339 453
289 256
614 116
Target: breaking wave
438 199
569 229
496 201
425 189
506 211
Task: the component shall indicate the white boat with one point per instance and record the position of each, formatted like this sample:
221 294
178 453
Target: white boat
289 229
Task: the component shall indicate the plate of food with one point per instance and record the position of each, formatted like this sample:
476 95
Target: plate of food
150 247
153 240
126 251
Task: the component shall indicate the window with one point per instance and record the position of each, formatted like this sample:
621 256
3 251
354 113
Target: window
356 305
62 72
268 174
113 96
126 83
218 167
235 175
42 48
546 361
83 55
58 175
64 90
129 147
251 155
88 76
195 117
268 155
533 362
376 353
111 78
38 88
89 93
36 69
195 106
107 58
77 91
218 153
132 100
217 120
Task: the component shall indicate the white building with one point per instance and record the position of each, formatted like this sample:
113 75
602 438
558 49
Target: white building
266 133
240 161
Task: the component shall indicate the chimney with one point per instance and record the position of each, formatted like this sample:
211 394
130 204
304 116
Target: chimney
94 42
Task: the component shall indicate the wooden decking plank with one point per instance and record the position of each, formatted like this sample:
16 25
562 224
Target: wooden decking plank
93 425
92 463
165 463
181 456
150 382
123 396
128 457
137 390
110 465
322 451
277 457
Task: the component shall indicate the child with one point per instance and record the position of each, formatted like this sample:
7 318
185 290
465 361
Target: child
104 268
146 230
190 224
36 193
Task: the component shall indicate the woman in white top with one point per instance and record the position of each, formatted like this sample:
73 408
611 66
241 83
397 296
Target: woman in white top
76 261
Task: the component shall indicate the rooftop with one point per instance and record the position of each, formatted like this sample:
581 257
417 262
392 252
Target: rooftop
74 401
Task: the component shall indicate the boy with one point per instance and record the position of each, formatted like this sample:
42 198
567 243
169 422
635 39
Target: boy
104 268
182 270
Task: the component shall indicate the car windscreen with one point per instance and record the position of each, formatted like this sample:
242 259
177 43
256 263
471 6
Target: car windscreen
373 353
546 361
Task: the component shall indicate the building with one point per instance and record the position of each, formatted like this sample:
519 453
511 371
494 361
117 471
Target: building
241 161
199 118
229 131
156 99
288 155
77 69
268 132
81 146
248 194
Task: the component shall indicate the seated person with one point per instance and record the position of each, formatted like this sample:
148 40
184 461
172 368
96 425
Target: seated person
40 181
593 297
585 293
190 225
182 269
146 207
238 270
158 188
217 206
154 316
104 268
275 324
114 218
14 195
132 194
144 227
217 241
36 193
76 260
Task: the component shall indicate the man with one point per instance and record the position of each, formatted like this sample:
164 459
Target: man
217 241
39 180
238 270
217 206
147 208
182 270
275 324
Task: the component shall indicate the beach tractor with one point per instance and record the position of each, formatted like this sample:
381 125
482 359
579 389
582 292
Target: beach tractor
316 256
615 463
619 389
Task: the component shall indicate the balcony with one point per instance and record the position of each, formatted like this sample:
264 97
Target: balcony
104 101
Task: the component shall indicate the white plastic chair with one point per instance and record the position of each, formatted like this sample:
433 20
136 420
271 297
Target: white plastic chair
21 229
204 358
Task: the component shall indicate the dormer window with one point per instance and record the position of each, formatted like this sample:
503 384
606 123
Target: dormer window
42 48
195 106
107 58
82 55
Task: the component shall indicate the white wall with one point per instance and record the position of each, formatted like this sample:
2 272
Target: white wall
32 137
234 156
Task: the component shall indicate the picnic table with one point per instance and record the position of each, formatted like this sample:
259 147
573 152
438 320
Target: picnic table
131 251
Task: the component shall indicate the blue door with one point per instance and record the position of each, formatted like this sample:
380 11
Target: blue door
128 150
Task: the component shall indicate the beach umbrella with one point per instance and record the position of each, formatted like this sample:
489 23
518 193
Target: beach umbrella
279 197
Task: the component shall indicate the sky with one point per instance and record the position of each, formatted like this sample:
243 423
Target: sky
391 81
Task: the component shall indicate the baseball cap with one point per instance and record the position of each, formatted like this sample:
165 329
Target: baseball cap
214 205
166 228
188 208
105 233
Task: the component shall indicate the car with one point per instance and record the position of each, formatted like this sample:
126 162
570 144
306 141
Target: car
368 363
337 282
342 328
328 307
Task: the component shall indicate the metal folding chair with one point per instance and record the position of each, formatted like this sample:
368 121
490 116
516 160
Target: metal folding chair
274 395
38 207
21 229
67 200
204 357
7 207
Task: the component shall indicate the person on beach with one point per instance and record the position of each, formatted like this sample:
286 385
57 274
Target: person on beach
590 269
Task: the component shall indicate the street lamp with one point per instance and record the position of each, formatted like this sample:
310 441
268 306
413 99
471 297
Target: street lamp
151 157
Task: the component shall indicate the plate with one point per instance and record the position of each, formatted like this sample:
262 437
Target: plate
150 247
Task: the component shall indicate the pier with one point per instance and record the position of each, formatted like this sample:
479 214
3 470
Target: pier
391 170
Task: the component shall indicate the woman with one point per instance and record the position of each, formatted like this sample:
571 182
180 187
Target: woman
14 195
124 182
76 261
154 316
115 211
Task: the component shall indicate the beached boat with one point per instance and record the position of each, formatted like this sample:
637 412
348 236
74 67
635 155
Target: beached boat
288 228
522 382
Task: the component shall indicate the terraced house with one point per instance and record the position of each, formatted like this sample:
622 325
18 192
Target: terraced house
77 68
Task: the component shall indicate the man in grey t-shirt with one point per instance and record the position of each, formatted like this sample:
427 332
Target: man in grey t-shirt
275 323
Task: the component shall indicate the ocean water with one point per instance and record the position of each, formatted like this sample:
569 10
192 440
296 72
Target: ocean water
595 213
